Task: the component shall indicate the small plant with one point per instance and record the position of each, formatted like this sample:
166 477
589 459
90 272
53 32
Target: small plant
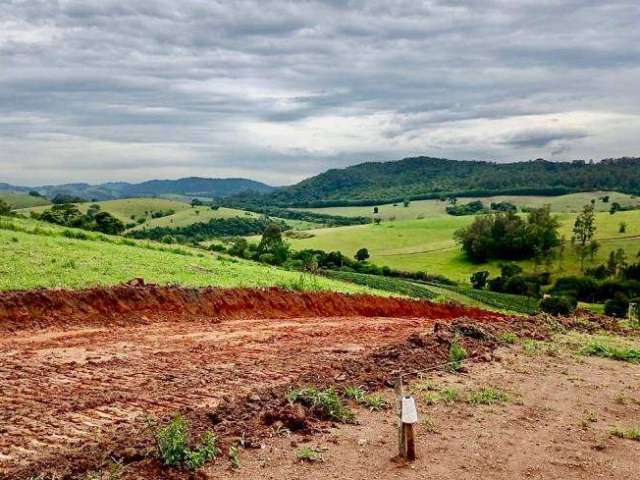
508 338
354 393
449 395
628 434
429 425
457 354
310 454
375 403
172 445
234 457
487 396
326 403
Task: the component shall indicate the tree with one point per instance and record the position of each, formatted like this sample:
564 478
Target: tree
5 208
479 279
362 255
107 223
34 193
196 202
583 230
375 210
273 244
406 202
623 227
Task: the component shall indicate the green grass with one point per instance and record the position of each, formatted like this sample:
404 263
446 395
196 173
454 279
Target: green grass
487 396
504 302
627 434
36 254
184 214
309 454
625 349
19 200
428 208
428 244
327 403
393 285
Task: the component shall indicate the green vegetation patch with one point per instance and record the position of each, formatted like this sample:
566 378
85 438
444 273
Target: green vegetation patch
378 282
325 402
487 396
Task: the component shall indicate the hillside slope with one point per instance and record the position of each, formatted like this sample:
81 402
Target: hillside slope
425 177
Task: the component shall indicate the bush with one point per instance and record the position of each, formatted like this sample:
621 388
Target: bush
618 306
172 444
457 354
557 305
479 280
325 403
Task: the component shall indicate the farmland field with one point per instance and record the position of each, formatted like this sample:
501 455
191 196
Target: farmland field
428 208
428 244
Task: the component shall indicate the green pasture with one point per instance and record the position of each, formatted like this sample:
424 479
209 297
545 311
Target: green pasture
428 244
19 200
428 208
35 254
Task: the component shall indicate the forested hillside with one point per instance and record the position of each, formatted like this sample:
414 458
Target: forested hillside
425 177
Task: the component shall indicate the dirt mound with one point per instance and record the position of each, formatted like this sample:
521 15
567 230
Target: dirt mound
124 304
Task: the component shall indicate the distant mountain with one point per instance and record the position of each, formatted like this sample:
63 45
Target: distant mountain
426 177
193 186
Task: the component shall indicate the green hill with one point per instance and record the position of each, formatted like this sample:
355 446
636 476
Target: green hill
44 255
19 200
425 177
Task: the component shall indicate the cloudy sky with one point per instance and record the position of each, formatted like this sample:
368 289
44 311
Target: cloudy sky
101 90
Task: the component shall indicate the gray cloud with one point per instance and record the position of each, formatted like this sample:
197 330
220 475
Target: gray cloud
104 90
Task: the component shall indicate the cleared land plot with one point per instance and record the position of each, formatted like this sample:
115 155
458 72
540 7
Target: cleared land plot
80 380
556 423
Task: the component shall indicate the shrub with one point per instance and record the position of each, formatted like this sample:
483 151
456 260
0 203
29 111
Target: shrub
557 305
172 445
457 354
618 306
326 403
487 396
479 280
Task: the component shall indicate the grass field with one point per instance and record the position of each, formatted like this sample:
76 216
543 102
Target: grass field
428 208
35 254
19 200
428 245
184 214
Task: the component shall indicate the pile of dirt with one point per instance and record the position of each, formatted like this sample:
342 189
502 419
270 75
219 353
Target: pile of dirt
126 304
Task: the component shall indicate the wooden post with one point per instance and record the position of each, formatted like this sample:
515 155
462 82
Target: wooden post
409 419
399 389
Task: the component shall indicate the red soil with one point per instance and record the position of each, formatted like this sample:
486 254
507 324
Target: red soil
79 370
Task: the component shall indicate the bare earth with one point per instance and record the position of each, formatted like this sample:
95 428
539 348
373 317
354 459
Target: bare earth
556 426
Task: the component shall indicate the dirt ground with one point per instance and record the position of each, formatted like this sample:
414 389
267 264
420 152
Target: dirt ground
81 373
555 425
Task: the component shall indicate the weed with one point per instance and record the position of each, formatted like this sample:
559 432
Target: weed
457 354
430 398
429 425
509 338
234 457
326 402
487 396
449 395
538 347
628 434
424 386
354 393
309 454
375 403
172 444
621 353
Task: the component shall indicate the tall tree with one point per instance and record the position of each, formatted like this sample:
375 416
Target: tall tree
584 229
